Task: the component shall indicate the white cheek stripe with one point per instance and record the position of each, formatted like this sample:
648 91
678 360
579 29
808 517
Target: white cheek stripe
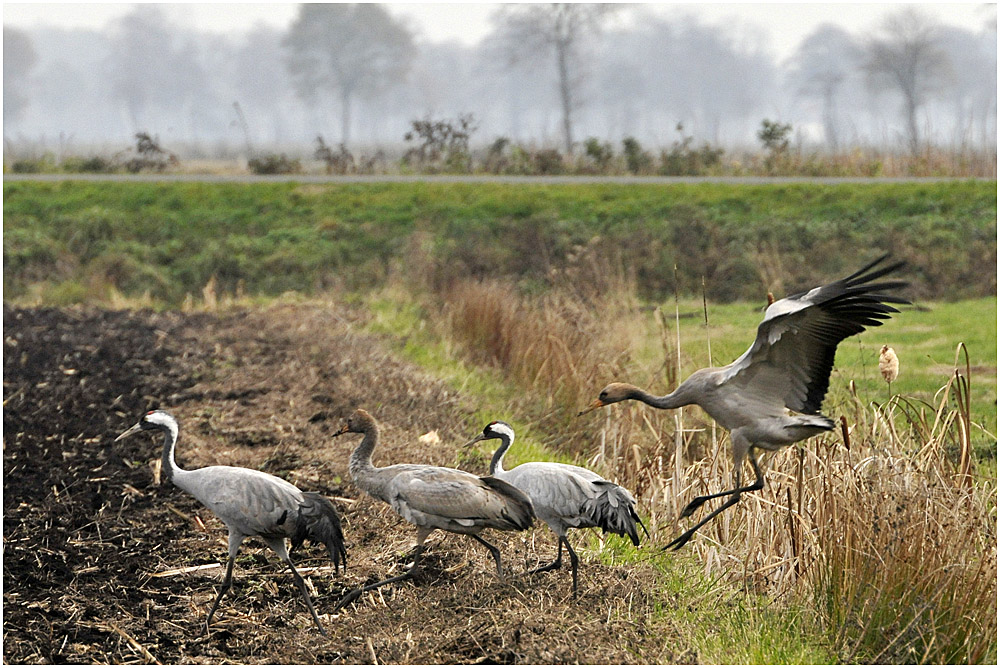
503 430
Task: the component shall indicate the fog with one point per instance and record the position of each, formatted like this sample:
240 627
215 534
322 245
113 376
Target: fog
84 89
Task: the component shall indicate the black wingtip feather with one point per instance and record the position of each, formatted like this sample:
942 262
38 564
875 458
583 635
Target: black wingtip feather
619 517
320 523
862 275
524 512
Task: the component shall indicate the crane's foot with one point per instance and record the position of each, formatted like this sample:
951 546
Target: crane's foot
680 541
351 596
547 567
355 593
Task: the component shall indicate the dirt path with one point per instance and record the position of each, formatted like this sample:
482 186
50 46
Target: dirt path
87 530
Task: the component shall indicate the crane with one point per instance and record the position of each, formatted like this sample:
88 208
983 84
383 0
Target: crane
787 368
565 496
252 503
433 497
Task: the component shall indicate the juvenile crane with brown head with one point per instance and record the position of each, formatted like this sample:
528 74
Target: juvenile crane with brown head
433 497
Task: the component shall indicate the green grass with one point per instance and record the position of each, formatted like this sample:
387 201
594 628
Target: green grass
74 241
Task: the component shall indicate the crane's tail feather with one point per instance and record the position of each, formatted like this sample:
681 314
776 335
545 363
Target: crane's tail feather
614 511
518 513
320 523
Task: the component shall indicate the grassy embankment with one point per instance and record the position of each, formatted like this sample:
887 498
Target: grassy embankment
72 242
780 576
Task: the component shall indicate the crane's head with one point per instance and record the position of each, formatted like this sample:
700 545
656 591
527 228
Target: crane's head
611 394
359 422
495 429
157 419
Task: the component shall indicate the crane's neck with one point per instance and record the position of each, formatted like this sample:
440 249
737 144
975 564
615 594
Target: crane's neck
361 459
496 464
675 399
170 470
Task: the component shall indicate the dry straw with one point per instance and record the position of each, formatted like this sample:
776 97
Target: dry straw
882 525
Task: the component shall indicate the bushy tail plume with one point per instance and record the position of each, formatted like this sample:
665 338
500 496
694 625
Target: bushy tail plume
320 523
613 510
518 511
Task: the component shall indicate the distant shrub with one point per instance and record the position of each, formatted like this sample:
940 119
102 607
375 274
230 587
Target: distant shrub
599 153
444 144
684 160
774 136
637 161
340 161
149 155
95 164
549 161
274 163
370 164
30 166
498 156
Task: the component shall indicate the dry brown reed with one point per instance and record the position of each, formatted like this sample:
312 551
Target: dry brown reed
550 345
892 540
882 525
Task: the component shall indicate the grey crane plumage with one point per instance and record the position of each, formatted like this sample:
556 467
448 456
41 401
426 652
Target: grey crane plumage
565 496
252 503
786 369
433 497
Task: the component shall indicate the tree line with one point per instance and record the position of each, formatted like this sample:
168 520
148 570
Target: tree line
547 74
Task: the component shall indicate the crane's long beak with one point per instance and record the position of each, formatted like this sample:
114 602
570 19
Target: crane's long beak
594 405
128 432
479 437
342 430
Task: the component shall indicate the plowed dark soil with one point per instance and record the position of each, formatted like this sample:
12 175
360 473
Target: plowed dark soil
93 545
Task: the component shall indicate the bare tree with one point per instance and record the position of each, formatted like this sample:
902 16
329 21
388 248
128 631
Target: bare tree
906 56
154 68
19 58
348 50
531 29
824 59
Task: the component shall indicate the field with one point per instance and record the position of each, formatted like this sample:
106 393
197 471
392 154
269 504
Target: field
439 309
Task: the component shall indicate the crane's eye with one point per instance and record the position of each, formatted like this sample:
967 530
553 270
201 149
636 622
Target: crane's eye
602 395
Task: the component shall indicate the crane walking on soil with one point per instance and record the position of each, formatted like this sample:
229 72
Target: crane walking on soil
786 369
433 497
564 496
252 503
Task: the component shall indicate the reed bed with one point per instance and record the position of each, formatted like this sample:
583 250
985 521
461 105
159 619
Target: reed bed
882 528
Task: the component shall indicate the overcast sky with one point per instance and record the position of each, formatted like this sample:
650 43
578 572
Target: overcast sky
779 25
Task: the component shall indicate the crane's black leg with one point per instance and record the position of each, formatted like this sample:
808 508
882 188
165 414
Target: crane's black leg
493 550
235 540
305 594
555 564
278 545
679 542
355 593
226 584
697 501
574 562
